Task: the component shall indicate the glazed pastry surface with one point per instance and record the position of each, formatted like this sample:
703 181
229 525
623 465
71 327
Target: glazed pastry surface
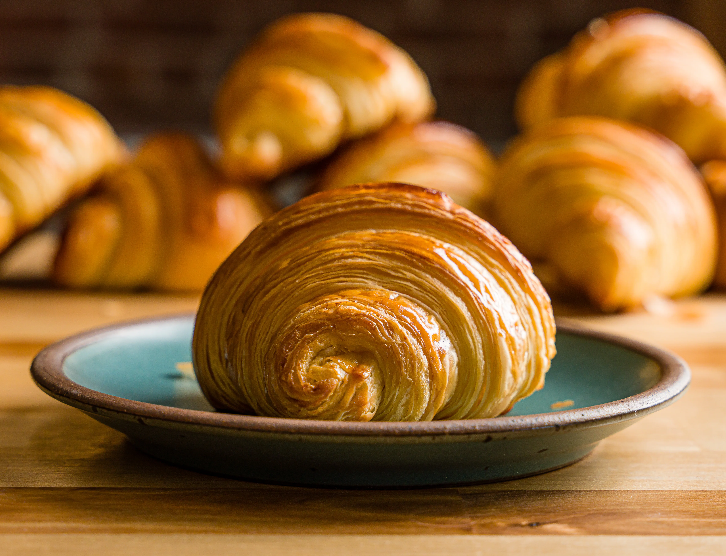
608 209
383 302
435 155
637 66
165 221
52 147
308 82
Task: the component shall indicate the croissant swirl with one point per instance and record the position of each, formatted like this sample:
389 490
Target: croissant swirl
435 155
608 209
309 82
52 147
382 302
637 66
166 221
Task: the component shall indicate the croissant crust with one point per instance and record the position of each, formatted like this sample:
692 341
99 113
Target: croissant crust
637 66
714 173
307 83
165 221
52 148
608 209
435 155
373 302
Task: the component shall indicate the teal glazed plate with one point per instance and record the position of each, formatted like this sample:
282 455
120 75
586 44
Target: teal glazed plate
137 378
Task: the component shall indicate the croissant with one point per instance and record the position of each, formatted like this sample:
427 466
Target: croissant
638 66
383 302
436 155
608 209
165 221
714 173
52 147
307 83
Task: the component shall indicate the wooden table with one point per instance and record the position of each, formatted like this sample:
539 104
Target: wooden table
69 485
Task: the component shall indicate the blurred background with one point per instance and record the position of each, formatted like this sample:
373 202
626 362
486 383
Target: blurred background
151 64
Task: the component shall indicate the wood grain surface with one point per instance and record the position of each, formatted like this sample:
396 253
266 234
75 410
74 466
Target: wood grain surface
69 485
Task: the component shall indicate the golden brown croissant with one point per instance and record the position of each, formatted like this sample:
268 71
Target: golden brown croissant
714 173
309 82
436 155
607 208
637 66
52 147
164 221
382 302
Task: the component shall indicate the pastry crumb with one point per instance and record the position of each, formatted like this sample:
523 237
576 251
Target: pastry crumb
562 405
185 367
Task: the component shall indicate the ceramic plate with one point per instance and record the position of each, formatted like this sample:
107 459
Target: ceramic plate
137 378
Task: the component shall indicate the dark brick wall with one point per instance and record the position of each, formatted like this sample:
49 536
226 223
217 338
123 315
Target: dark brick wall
149 64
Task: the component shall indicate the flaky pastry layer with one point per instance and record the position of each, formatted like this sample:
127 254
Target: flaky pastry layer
383 302
308 82
165 220
433 154
637 66
608 209
52 147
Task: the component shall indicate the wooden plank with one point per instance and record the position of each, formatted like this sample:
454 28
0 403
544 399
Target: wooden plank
60 446
287 510
355 545
689 323
42 316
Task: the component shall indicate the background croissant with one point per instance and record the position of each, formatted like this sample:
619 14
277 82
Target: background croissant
52 147
607 208
307 83
164 221
636 66
373 302
714 173
436 154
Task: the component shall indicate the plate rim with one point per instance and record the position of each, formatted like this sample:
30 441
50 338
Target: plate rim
47 371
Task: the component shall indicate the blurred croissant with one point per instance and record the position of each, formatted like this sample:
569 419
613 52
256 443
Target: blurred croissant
164 221
637 66
383 302
608 209
52 147
307 83
436 155
714 173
